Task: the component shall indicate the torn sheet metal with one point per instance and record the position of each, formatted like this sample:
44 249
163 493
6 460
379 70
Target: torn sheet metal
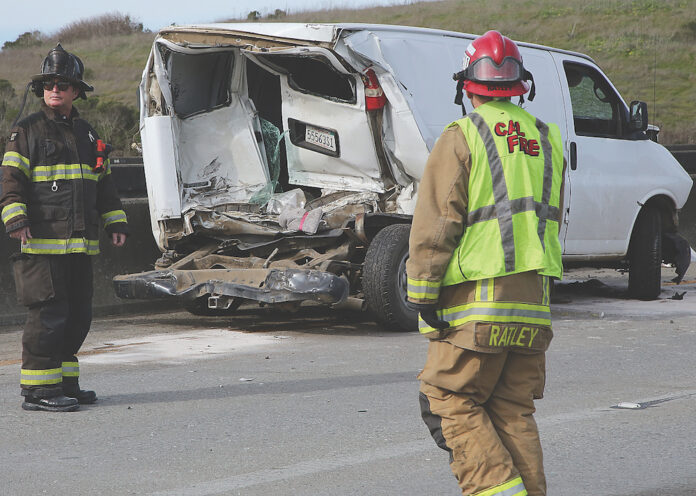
267 286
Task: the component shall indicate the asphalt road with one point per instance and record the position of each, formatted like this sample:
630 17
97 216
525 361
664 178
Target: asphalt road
325 403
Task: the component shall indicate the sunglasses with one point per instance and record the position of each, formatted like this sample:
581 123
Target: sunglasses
62 85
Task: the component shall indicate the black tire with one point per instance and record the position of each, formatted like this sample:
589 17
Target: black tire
199 306
645 256
384 279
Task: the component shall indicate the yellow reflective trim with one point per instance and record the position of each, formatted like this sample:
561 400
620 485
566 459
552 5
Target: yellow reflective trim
13 210
113 217
419 282
14 159
43 173
496 312
71 369
40 377
515 487
422 289
39 246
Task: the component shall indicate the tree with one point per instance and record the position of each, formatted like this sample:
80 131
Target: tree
254 15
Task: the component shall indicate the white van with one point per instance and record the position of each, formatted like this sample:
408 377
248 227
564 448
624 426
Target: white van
282 162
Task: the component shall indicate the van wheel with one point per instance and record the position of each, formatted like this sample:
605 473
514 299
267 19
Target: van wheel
384 279
199 306
645 256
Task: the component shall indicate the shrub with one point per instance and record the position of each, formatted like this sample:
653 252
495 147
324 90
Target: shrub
24 40
112 24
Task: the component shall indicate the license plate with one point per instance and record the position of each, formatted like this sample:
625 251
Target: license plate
319 137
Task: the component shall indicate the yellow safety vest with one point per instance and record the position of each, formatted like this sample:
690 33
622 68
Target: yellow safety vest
514 196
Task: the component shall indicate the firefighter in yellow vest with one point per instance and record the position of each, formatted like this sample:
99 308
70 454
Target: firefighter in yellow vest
483 248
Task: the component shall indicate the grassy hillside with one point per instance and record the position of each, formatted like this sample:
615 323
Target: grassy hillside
647 48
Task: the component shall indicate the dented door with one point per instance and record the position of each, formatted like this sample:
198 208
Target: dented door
328 140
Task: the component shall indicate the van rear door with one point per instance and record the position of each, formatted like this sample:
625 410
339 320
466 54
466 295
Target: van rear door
329 140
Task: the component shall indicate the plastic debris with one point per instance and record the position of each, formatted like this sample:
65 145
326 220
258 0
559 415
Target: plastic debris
246 379
629 406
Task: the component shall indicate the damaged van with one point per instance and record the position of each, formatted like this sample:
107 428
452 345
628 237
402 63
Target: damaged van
283 160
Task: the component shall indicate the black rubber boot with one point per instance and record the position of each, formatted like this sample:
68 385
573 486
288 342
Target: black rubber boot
71 388
83 396
53 404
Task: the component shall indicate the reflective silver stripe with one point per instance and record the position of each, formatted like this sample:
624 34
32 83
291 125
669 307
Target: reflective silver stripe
485 289
71 371
498 312
39 377
518 205
500 191
117 217
13 210
512 491
480 311
412 288
548 181
545 290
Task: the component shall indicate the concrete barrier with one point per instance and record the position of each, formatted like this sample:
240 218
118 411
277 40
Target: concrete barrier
138 254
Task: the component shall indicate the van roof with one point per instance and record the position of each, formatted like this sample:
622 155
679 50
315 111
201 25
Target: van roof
328 33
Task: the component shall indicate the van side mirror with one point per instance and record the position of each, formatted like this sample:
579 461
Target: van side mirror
638 120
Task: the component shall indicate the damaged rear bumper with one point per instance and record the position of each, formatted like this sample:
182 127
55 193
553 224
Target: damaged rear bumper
262 285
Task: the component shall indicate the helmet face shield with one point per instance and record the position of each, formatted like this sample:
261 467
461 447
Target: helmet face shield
485 70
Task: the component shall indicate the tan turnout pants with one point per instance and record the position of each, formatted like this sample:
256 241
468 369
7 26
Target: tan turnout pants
479 407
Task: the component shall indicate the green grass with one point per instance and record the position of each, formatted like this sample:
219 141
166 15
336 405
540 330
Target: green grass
646 47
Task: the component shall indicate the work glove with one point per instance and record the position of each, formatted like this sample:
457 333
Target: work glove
428 314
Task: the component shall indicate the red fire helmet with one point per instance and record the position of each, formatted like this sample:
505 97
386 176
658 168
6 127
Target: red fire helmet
492 66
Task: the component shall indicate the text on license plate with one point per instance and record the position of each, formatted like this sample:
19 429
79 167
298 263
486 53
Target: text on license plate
320 138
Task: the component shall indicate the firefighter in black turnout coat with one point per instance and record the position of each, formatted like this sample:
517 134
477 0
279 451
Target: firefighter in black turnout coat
55 189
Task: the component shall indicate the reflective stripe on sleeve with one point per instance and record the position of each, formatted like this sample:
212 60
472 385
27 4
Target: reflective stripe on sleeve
515 487
40 246
43 173
14 159
113 217
422 290
40 377
492 311
71 369
13 210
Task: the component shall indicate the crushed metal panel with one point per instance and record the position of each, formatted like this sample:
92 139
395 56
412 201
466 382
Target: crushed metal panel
354 164
438 55
261 35
220 160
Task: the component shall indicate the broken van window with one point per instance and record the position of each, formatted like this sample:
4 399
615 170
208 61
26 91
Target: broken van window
199 82
315 75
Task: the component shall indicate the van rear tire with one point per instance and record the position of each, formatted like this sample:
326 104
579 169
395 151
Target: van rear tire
384 279
645 256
